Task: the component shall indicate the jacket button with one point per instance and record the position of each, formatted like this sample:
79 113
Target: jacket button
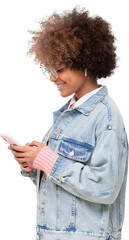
40 234
71 153
40 208
57 129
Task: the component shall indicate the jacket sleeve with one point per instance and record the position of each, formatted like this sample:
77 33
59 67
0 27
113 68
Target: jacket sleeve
100 178
32 175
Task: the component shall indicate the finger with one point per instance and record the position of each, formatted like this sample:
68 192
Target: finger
37 144
27 144
18 148
34 143
24 164
19 160
19 154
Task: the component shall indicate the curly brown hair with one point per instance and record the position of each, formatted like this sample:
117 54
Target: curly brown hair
74 40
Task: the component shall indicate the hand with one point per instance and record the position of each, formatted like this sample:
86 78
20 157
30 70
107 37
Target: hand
25 155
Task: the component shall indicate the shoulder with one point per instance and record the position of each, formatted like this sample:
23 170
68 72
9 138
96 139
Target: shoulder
112 112
111 118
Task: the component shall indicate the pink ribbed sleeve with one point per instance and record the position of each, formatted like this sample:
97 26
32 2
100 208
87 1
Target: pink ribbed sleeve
45 159
28 169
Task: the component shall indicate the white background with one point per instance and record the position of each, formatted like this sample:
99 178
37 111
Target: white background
27 99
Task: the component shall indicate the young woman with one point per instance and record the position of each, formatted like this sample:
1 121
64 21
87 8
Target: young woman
80 167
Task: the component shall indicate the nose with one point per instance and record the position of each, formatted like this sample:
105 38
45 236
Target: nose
53 78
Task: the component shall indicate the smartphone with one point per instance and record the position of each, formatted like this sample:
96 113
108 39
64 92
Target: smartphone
9 139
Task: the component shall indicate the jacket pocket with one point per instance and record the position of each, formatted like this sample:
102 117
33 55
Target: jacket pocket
74 149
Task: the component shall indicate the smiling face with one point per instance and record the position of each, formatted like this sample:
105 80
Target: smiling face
73 81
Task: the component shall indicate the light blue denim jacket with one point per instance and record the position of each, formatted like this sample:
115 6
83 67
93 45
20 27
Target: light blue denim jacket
83 196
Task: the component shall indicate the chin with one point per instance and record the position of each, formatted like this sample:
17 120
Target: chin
65 94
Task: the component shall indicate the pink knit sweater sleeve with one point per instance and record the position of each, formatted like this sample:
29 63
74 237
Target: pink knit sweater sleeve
27 169
45 159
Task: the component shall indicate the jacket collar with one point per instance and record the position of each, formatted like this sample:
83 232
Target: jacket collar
87 106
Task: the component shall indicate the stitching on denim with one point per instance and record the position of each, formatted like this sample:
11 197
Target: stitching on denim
89 146
108 110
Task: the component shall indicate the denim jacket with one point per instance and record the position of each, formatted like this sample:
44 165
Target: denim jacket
83 196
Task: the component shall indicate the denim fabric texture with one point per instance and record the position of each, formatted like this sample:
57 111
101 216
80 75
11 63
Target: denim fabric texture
83 196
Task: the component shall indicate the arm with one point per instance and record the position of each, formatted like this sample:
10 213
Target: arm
101 180
32 175
96 178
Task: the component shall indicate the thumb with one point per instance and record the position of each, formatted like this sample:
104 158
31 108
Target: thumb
27 144
34 143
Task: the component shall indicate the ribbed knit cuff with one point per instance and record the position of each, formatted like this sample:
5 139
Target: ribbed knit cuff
45 159
27 169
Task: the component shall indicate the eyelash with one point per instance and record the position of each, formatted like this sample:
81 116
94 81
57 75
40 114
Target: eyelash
60 70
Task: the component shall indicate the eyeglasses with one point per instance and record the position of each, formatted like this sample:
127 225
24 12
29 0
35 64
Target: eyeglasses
48 74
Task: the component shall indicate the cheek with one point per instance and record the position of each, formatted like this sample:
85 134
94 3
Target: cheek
75 85
69 89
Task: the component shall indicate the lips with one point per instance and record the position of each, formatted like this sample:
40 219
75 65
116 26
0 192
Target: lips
59 86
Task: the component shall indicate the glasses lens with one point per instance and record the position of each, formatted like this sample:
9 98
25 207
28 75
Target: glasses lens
54 74
46 74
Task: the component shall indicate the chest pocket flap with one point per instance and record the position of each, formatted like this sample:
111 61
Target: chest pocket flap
76 150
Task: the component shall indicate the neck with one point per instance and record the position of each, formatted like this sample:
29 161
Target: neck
89 85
